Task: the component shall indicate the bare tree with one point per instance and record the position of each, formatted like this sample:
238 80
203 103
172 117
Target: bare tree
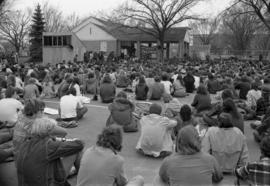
5 6
261 8
205 29
158 16
15 28
56 21
239 28
72 21
53 18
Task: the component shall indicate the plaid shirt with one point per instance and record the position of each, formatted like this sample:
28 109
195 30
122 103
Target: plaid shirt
257 173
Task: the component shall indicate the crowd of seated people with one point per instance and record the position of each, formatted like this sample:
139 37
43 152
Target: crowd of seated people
35 150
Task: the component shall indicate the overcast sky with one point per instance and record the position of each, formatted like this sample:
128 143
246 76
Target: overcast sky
85 7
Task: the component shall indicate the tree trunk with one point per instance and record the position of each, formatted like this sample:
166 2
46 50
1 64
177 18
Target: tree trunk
161 50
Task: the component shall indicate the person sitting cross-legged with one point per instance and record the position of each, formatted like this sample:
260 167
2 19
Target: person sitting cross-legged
257 173
102 164
226 143
189 166
44 160
121 113
71 107
156 133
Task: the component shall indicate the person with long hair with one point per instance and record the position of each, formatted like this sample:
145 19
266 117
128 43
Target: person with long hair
226 143
178 87
202 99
237 118
102 164
107 90
141 89
189 162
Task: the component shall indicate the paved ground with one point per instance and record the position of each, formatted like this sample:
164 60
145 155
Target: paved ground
91 125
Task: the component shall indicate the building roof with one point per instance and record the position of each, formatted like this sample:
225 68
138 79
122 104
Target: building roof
124 33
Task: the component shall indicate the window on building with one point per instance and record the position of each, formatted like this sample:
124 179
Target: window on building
57 41
54 40
47 40
66 40
59 38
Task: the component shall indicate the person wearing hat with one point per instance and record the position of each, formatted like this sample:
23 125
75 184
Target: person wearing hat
257 173
156 131
226 143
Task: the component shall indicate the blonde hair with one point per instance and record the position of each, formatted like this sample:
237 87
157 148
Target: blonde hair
42 126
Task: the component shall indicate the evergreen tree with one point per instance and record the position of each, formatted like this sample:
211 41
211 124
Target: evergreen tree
37 28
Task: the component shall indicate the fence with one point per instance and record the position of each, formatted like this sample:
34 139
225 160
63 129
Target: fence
247 54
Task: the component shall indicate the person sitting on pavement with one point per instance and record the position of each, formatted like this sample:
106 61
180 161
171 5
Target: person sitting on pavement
31 90
122 113
189 83
237 118
122 80
10 107
156 91
156 133
107 90
91 85
263 103
226 143
202 100
189 166
184 118
167 83
45 160
71 108
178 88
256 173
262 128
64 86
210 117
243 86
213 86
33 109
172 106
141 89
102 164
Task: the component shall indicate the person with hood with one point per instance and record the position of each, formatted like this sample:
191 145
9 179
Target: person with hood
121 113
